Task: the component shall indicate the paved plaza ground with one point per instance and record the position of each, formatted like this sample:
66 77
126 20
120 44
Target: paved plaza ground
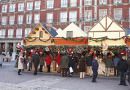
9 80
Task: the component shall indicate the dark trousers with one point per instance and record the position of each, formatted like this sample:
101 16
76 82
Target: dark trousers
40 69
64 72
129 77
95 74
19 71
48 68
116 72
122 78
35 69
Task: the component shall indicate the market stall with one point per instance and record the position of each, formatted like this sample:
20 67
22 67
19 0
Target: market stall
41 35
106 31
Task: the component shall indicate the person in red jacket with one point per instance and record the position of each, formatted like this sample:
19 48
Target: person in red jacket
48 61
58 59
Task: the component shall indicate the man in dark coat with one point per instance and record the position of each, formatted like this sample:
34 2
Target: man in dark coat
128 61
64 64
35 60
95 66
122 66
82 66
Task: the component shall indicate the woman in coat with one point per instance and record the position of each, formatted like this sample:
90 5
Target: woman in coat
48 61
82 66
20 63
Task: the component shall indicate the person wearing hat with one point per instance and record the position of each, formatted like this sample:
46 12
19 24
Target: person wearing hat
122 66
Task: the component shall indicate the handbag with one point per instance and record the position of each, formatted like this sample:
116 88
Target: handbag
71 70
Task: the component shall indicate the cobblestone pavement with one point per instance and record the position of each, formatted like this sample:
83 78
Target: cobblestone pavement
9 80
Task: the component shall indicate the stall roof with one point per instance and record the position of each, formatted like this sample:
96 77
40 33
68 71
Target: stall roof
106 27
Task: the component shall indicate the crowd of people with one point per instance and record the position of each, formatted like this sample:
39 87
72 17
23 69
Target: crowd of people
69 63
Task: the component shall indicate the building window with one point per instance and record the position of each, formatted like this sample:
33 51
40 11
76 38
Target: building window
12 8
64 3
10 33
29 18
29 5
88 15
21 7
37 5
11 20
20 19
63 17
2 33
41 34
87 2
73 3
73 16
117 13
4 8
117 1
50 4
4 20
69 34
19 33
102 2
27 31
36 18
102 13
49 17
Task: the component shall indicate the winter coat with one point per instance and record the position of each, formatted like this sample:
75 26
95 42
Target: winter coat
95 65
115 61
20 62
122 66
82 64
89 60
58 59
71 61
48 59
109 62
64 61
128 61
35 59
42 60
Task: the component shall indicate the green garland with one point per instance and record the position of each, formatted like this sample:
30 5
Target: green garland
31 38
74 39
102 39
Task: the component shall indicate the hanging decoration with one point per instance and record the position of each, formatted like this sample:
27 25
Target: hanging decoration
74 39
31 39
44 40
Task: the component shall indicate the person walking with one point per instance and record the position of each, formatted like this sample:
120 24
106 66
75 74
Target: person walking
35 60
48 60
95 66
115 61
64 65
123 67
82 66
20 63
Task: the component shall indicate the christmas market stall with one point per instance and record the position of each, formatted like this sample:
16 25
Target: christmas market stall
107 32
110 37
42 35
